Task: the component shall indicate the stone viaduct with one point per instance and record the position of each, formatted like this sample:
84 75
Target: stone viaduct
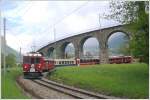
78 41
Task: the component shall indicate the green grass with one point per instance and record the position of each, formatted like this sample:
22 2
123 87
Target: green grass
122 80
10 90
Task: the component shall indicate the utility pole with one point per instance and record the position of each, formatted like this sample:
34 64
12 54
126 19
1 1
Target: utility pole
4 23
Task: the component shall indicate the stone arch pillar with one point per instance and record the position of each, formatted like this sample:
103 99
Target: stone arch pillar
60 52
57 51
77 48
103 55
44 52
77 51
50 52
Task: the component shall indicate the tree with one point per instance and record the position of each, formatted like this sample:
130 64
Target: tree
10 60
124 47
136 15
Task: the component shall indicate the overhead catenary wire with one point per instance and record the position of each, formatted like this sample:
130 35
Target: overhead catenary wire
19 41
26 10
60 20
69 14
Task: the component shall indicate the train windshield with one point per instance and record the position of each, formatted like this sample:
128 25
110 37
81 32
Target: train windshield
31 60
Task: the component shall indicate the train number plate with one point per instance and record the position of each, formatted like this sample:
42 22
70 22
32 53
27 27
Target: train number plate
32 69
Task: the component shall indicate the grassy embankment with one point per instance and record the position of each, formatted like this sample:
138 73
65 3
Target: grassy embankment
9 88
123 80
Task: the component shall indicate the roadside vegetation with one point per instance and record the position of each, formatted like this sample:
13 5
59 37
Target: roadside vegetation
10 60
9 88
122 80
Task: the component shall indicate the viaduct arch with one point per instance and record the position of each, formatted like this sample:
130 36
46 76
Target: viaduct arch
78 40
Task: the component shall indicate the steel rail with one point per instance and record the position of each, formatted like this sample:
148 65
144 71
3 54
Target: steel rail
56 88
75 92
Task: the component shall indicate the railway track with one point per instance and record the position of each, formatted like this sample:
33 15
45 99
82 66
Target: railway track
74 92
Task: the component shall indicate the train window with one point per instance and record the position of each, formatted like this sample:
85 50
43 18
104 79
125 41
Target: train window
31 60
26 60
60 62
37 60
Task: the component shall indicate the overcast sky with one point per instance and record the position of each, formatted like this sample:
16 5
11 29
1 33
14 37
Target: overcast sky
31 23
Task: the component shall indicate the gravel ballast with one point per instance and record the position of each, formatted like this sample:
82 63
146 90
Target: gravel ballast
39 91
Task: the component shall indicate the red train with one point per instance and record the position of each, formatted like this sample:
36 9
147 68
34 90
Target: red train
34 64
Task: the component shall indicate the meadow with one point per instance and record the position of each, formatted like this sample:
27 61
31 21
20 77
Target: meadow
120 80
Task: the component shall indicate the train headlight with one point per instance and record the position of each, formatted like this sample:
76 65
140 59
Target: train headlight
39 65
25 66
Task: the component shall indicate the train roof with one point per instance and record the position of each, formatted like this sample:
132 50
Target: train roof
33 54
118 56
45 58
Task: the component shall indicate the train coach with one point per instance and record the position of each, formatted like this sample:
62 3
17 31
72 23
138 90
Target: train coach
112 60
89 61
65 62
34 64
120 59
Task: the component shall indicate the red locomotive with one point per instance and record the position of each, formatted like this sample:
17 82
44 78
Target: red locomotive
34 64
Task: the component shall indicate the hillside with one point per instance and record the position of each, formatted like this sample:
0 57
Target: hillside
9 50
